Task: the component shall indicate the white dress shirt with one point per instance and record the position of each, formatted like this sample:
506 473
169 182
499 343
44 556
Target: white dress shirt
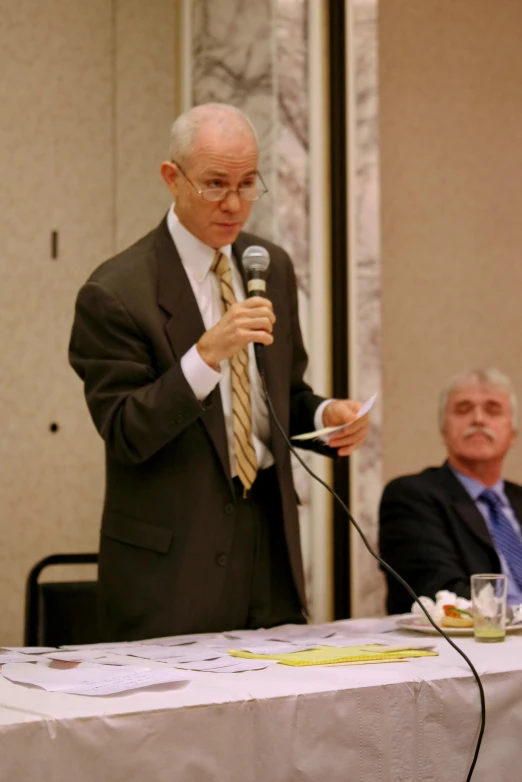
197 258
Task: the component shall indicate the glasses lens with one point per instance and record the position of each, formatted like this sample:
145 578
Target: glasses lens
214 194
251 193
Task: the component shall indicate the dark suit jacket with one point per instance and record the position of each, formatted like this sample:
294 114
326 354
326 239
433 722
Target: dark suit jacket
434 536
168 521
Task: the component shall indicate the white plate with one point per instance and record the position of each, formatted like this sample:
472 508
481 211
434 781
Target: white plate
421 625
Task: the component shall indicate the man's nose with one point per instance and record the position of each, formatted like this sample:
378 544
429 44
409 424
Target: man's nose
231 202
478 414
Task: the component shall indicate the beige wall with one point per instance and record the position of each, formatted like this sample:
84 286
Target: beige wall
451 163
86 96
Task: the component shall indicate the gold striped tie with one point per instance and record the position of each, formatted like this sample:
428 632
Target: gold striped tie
246 462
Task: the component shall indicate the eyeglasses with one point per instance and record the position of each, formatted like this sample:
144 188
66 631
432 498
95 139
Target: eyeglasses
248 192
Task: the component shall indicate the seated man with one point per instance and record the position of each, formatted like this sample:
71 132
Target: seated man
442 525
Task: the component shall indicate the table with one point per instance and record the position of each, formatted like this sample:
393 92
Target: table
414 721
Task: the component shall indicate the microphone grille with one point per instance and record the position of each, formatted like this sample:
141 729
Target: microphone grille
256 258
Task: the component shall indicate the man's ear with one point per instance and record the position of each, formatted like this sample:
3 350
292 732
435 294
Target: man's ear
169 172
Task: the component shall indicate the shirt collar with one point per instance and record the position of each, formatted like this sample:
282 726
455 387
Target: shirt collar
194 255
475 488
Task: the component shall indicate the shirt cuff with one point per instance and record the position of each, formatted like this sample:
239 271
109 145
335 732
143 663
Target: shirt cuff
318 415
201 378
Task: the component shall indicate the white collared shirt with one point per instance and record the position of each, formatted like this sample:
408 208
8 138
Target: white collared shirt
197 258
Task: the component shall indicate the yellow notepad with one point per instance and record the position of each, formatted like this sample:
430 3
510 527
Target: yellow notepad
328 655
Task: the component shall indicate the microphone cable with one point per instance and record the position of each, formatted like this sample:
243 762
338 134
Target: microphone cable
385 565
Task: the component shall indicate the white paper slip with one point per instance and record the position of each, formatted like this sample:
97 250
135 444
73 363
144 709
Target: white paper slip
118 647
76 655
247 635
247 665
174 653
30 649
207 665
294 633
228 665
178 640
95 680
366 625
367 406
17 657
276 648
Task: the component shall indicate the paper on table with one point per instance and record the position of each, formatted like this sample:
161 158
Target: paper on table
76 655
277 647
206 665
372 624
179 640
105 646
30 649
326 655
247 665
17 657
367 406
386 644
226 665
95 680
174 653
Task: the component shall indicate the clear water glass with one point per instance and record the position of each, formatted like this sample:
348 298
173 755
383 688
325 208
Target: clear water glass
488 595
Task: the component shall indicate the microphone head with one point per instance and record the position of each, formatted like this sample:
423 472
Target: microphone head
256 259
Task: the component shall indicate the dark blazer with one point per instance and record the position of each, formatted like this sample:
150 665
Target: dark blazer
432 533
169 518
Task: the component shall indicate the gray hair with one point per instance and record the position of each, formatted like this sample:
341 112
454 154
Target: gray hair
486 377
185 128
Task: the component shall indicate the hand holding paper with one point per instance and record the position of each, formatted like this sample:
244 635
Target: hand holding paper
347 425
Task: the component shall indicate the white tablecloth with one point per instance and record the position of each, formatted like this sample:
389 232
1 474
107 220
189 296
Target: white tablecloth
398 722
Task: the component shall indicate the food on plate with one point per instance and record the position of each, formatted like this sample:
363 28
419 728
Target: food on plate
455 617
447 610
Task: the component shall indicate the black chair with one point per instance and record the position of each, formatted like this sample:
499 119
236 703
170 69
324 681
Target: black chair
64 612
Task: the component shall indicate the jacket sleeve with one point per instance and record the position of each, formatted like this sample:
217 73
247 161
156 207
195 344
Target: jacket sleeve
415 540
136 410
303 401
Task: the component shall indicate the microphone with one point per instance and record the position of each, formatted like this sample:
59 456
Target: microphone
256 261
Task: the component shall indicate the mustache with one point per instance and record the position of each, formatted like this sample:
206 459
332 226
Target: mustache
471 430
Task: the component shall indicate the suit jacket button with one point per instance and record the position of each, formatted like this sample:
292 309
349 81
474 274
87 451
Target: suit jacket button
221 560
180 418
229 509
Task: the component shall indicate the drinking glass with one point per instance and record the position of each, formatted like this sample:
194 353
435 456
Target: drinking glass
488 595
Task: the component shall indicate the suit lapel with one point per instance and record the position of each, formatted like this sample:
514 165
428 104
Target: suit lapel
185 326
515 501
464 506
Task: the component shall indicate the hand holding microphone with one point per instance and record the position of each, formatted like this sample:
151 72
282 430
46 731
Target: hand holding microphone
246 321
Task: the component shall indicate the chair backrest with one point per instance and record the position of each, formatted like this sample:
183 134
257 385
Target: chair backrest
63 612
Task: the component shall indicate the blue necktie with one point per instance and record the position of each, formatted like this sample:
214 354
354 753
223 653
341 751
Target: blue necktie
506 539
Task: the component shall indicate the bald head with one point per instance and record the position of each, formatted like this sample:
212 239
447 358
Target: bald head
225 120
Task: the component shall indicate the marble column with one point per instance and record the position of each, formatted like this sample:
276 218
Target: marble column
365 285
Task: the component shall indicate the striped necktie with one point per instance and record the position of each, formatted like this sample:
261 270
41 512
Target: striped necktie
508 543
246 462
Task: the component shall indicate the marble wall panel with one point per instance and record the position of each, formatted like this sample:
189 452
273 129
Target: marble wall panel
232 61
367 584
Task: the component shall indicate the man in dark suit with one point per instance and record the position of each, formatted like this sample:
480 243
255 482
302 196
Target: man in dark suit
200 527
442 525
